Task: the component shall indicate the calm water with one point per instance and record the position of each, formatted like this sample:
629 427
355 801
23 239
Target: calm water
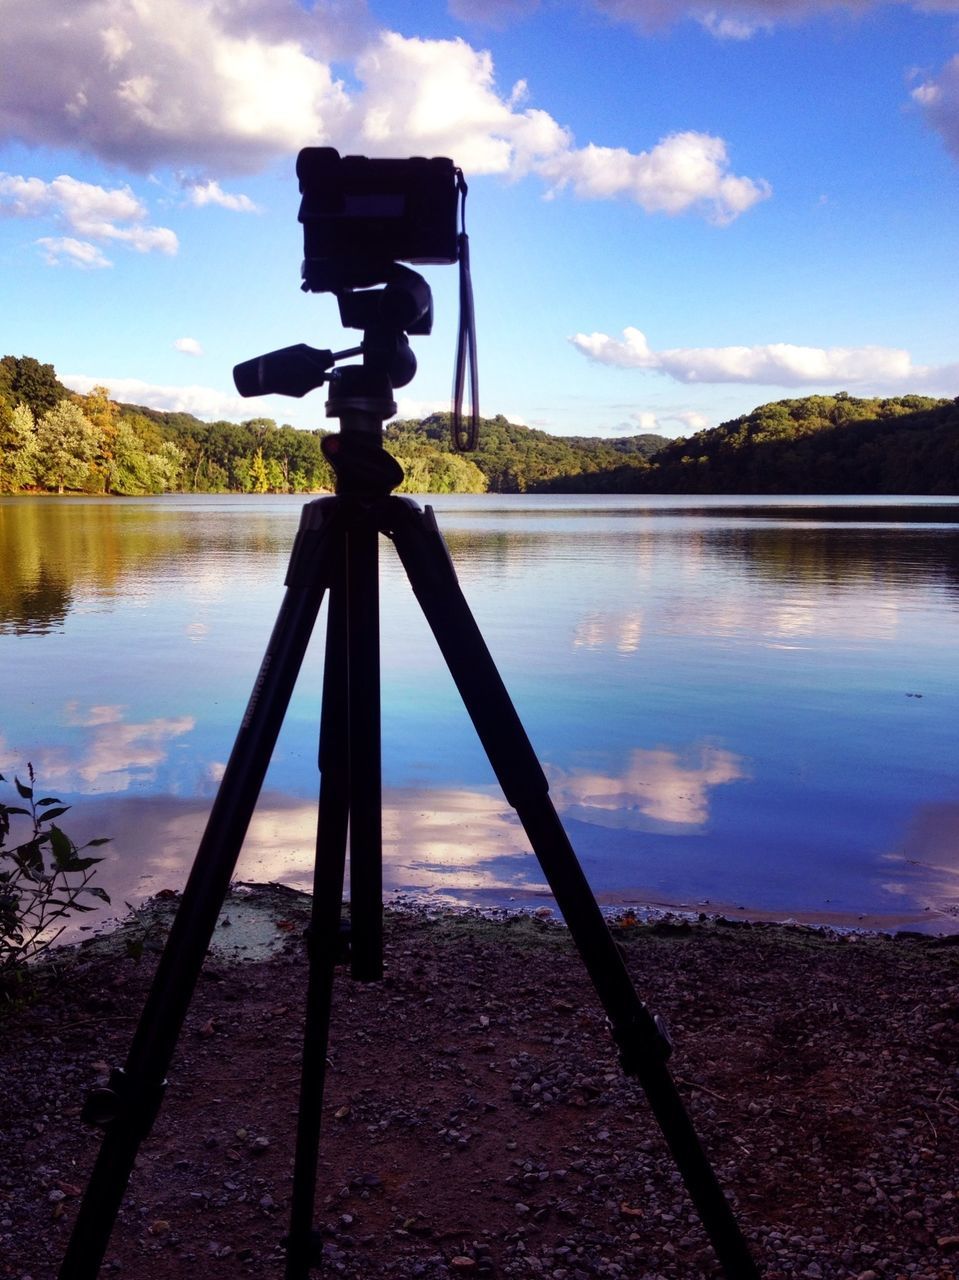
739 704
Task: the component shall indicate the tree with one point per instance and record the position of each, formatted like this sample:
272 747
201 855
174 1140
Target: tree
18 450
276 480
67 443
36 384
135 469
259 480
102 412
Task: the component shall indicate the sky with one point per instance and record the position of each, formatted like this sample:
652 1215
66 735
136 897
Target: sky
677 211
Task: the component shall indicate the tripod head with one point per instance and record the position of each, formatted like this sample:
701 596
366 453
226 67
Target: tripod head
386 316
359 216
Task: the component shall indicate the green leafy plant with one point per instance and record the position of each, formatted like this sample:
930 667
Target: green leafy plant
43 879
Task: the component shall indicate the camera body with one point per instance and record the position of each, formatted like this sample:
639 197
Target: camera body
361 216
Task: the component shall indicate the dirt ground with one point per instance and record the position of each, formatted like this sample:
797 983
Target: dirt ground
477 1121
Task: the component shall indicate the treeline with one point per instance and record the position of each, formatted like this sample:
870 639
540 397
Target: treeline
54 440
514 459
817 444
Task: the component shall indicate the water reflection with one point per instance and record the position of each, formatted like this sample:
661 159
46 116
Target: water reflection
448 840
839 556
786 620
110 753
715 690
927 864
621 631
58 552
656 791
466 845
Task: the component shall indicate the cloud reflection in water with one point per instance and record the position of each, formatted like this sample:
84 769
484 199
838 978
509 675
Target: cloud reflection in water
927 864
112 755
658 790
443 839
621 631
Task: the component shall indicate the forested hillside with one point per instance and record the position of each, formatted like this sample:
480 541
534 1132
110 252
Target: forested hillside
515 459
818 444
53 440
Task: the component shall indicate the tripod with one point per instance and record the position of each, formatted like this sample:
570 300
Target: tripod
335 554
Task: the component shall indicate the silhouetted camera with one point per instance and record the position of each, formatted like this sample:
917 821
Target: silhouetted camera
360 216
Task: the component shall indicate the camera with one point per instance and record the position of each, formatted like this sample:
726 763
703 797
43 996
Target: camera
361 219
360 216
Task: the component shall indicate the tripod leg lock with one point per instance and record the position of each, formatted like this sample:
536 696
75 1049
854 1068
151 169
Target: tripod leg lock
638 1038
119 1099
313 532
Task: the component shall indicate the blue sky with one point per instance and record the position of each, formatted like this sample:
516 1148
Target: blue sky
677 211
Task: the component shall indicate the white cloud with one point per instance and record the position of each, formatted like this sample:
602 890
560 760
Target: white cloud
433 96
780 364
439 97
225 87
645 420
188 346
205 402
409 408
210 192
493 13
691 419
939 101
79 253
683 171
740 19
95 213
190 82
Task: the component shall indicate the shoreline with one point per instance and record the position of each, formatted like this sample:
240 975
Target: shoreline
251 909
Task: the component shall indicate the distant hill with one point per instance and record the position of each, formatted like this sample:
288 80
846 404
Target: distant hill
817 444
517 459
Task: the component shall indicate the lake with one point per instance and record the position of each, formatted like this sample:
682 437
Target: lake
743 705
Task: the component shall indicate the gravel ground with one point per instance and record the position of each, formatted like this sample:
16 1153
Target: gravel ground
477 1122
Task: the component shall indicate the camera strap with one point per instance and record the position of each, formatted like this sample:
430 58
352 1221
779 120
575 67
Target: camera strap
464 438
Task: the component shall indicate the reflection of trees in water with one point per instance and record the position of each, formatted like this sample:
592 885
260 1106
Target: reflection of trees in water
36 606
495 549
52 550
843 557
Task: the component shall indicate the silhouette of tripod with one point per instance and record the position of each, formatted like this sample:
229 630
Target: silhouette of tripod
335 554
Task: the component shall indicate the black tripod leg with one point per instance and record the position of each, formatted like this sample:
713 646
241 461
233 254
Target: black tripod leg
129 1107
324 939
366 868
350 804
643 1047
